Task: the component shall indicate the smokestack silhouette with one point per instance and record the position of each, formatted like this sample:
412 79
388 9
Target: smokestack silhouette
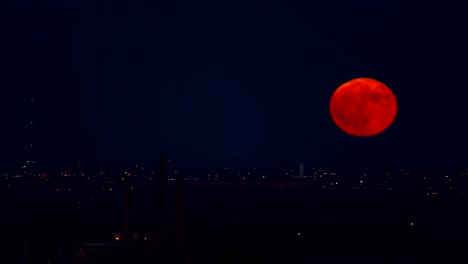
126 234
161 188
179 214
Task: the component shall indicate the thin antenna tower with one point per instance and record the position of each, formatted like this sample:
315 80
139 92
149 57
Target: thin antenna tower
29 164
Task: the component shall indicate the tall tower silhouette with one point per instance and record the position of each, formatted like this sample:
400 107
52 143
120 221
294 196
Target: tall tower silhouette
30 158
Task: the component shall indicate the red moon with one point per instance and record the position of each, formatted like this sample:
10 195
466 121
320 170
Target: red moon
363 107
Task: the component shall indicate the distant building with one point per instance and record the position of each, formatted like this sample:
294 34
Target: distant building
301 169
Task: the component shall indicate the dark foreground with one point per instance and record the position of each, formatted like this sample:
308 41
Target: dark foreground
239 225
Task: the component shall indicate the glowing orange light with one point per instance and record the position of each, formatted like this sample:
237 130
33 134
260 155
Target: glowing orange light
363 107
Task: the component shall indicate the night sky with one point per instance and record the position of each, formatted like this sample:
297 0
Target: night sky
231 80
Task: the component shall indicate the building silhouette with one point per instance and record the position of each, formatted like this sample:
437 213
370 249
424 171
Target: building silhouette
301 169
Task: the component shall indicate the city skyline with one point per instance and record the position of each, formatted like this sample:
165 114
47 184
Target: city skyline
222 132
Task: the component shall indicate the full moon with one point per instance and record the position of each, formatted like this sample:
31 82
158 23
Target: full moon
363 107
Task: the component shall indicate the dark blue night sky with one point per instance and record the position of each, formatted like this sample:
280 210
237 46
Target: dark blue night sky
232 80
